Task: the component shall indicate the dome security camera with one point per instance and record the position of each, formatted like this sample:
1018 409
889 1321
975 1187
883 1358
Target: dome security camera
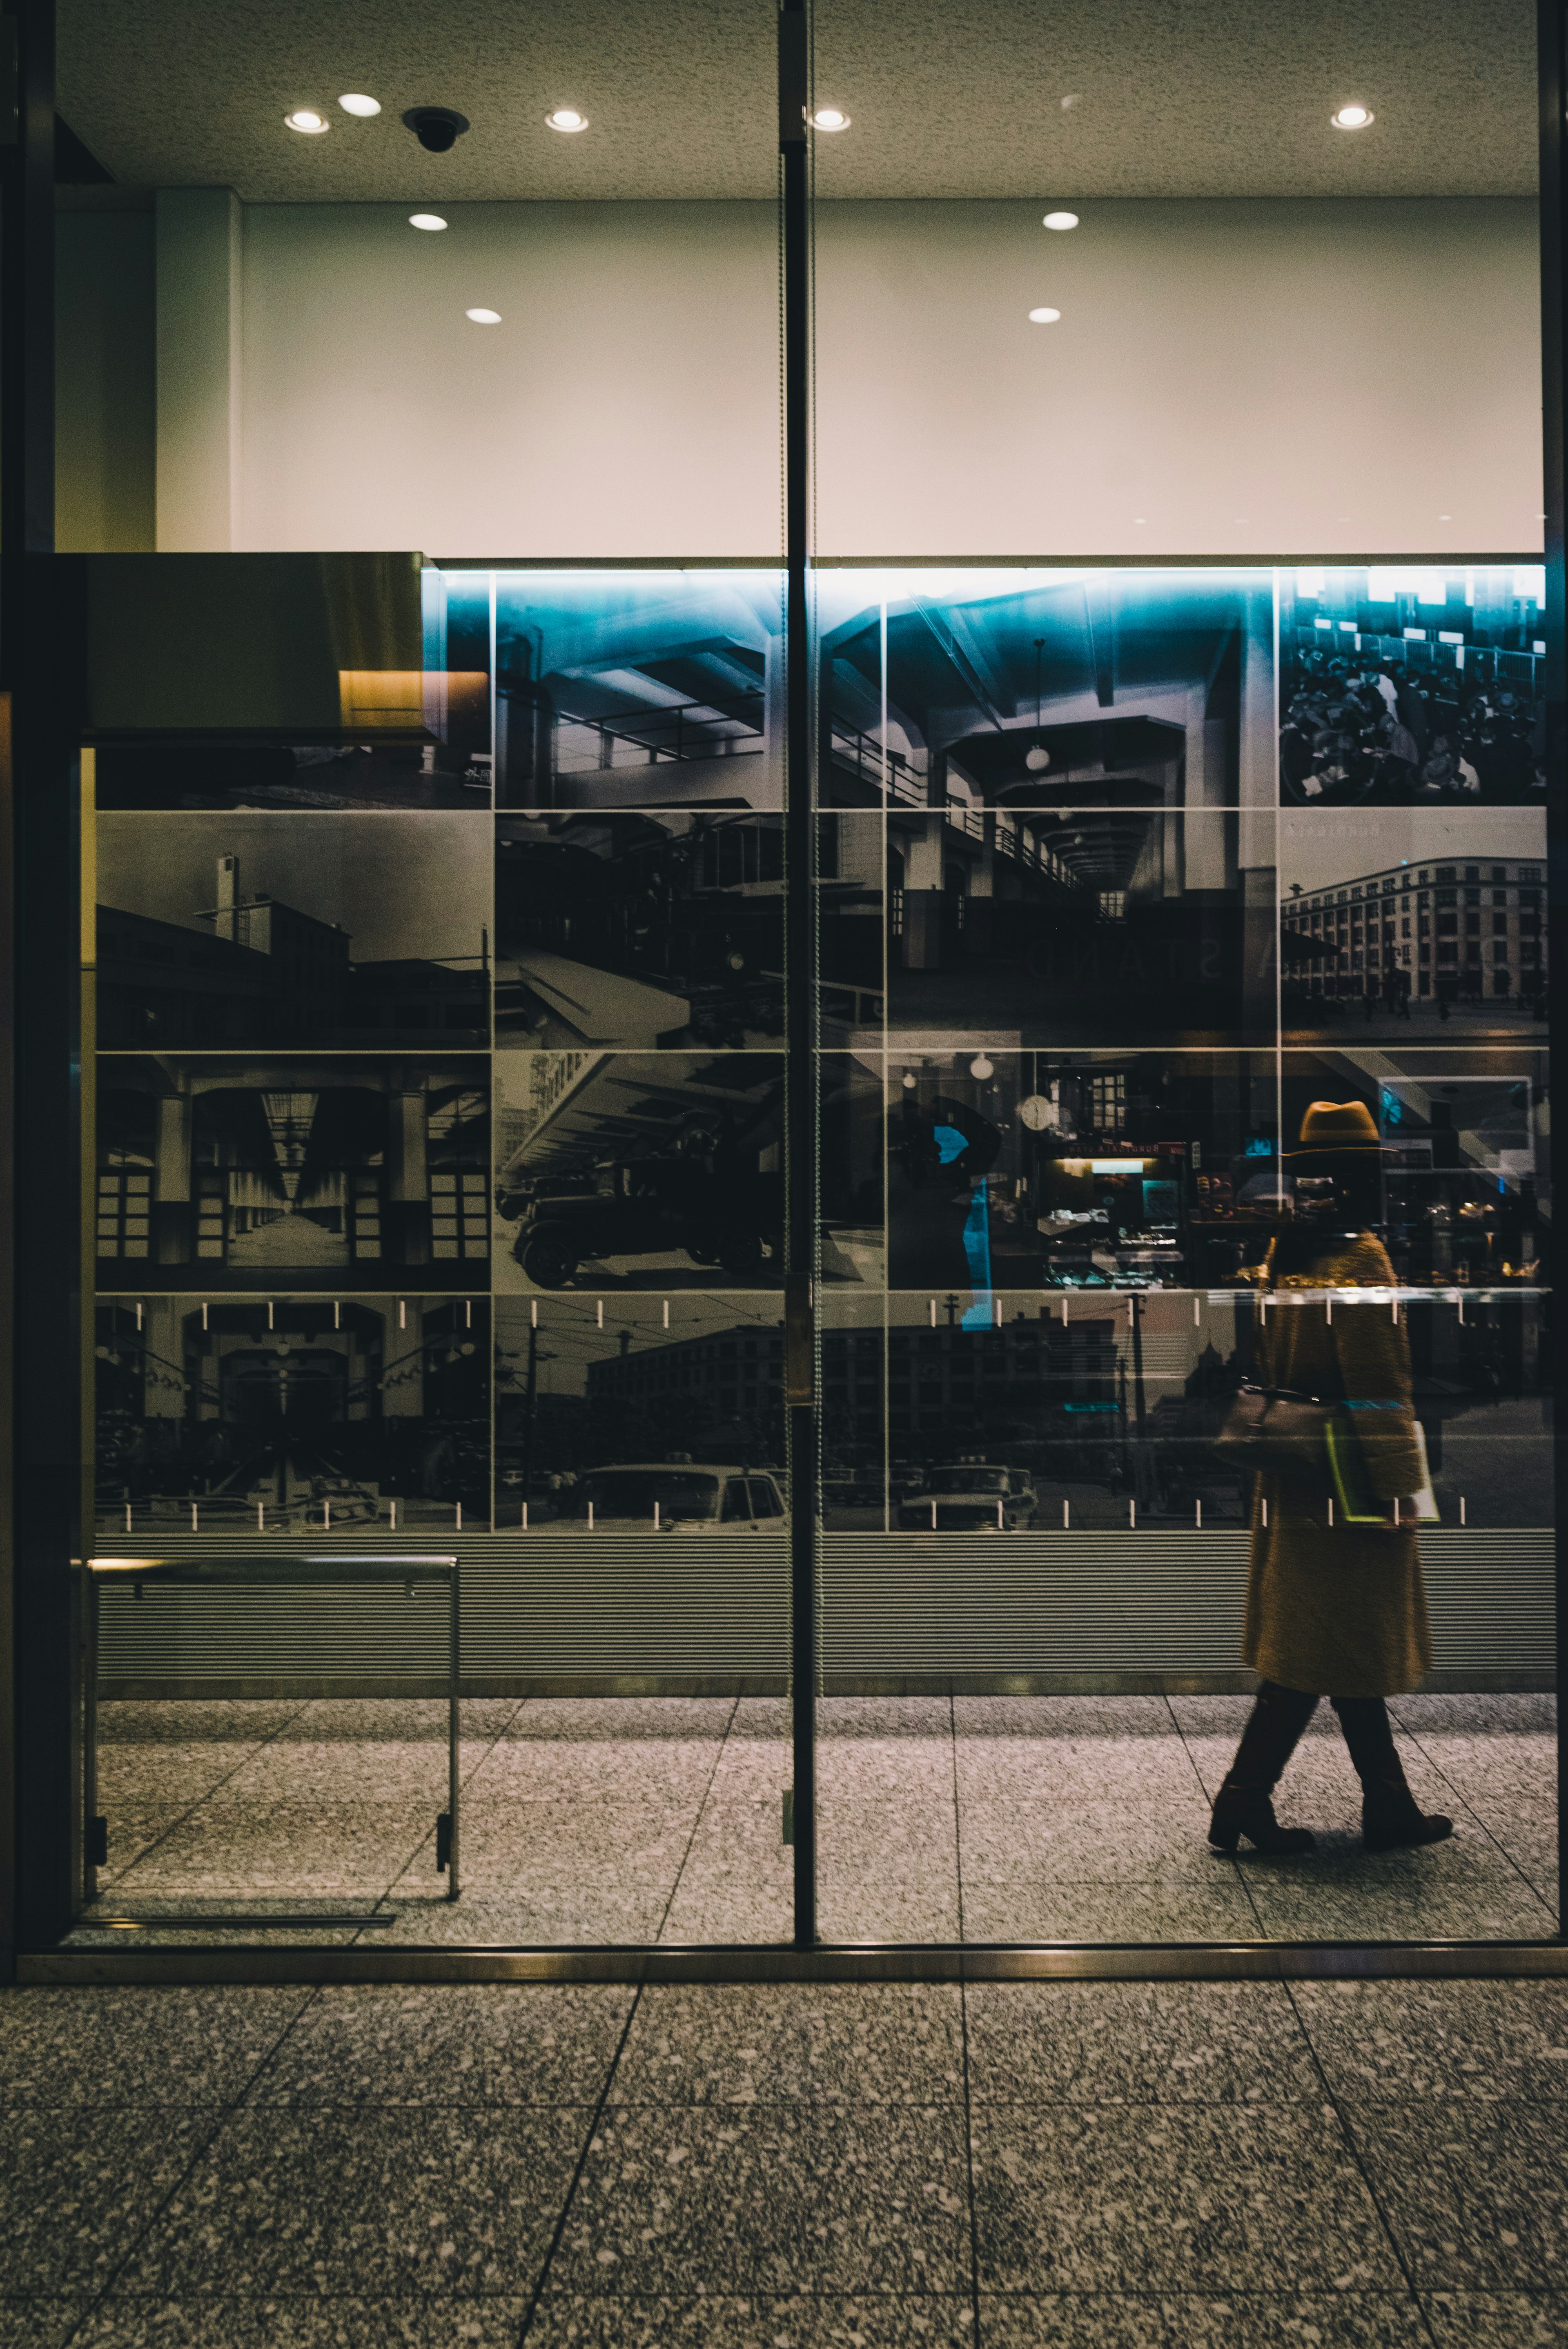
436 128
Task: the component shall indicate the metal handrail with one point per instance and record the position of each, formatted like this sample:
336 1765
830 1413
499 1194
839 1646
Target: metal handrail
300 1570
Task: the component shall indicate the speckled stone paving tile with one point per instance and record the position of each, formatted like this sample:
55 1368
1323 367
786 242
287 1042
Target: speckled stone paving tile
40 2323
755 1763
592 1871
1491 1769
885 1769
155 2046
824 2321
737 1881
1477 1713
303 2323
1496 2320
75 2194
1065 1718
1394 2041
194 1720
148 1771
466 2043
1476 2194
236 1849
874 1717
671 1770
622 1717
1498 1907
372 1771
1213 1909
1112 1773
1238 2320
1136 2043
1526 1830
774 2198
887 1871
833 2042
133 1829
1160 1841
397 1719
1207 2198
362 2200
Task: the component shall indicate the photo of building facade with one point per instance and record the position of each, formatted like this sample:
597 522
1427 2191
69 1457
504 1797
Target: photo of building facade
1404 922
203 943
695 1382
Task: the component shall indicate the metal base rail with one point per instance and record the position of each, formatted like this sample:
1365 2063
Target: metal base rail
846 1962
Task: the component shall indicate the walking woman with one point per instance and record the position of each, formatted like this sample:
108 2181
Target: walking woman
1334 1611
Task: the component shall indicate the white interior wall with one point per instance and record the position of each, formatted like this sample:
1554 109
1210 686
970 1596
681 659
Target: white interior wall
1247 378
627 404
1226 378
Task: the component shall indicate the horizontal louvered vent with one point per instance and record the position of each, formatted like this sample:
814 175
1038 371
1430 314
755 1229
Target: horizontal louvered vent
613 1608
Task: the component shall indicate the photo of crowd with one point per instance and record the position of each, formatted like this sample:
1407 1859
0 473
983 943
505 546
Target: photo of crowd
1401 688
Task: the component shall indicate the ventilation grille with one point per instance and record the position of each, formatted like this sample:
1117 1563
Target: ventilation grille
612 1607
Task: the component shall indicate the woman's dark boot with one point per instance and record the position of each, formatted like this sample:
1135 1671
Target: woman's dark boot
1391 1817
1244 1805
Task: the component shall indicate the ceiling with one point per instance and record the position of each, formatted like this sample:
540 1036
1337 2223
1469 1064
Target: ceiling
949 97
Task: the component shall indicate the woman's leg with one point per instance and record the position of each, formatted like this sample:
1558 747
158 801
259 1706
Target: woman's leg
1390 1814
1243 1804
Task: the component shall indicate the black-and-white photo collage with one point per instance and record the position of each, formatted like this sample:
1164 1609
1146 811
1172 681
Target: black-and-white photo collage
439 1081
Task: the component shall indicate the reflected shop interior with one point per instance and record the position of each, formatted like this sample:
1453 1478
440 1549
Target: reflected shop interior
441 1124
786 801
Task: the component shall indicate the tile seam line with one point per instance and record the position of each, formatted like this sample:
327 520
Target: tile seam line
205 1796
697 1820
225 2115
596 2117
1459 1795
1354 2148
357 1939
1239 1874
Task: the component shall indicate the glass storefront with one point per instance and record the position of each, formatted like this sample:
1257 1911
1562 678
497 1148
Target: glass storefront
852 1181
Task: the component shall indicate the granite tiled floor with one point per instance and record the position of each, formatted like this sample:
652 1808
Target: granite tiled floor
622 1820
1107 2166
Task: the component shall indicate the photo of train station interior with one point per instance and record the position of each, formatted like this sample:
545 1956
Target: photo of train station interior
639 931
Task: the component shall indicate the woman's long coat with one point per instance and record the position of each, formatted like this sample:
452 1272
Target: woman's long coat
1338 1610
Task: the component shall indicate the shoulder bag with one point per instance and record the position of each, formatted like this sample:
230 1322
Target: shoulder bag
1277 1429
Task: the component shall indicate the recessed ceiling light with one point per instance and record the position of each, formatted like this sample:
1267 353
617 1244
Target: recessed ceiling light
828 118
426 220
305 118
1444 517
566 118
1043 317
1354 117
484 317
358 103
1061 220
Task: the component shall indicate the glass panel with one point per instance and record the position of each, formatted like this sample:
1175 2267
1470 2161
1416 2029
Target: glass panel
1201 707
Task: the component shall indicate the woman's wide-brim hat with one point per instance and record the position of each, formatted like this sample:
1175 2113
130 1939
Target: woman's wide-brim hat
1335 1128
